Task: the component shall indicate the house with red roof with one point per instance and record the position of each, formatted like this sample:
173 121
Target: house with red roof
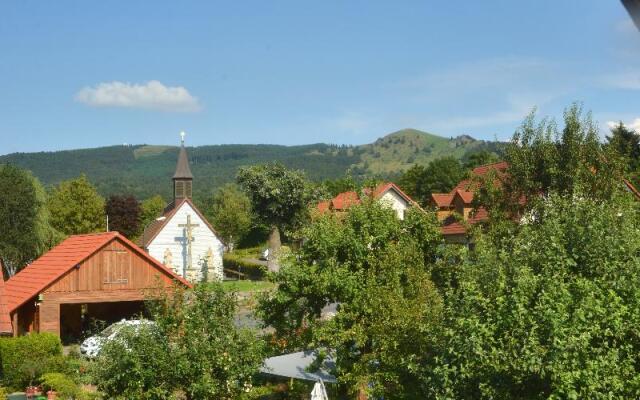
455 209
387 193
103 276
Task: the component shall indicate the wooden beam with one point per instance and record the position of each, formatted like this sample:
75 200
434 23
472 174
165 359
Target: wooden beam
99 296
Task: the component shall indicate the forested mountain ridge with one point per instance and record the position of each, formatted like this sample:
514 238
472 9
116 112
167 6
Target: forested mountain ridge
145 170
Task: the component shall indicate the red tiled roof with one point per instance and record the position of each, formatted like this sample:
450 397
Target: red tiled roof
483 169
381 189
442 200
51 266
323 206
345 200
454 227
5 320
467 197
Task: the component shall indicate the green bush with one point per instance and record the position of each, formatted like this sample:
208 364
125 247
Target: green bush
25 358
65 387
251 270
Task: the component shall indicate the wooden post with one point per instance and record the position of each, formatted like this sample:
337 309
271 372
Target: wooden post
14 323
50 317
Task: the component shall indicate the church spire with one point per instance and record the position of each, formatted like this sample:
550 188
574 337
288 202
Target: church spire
182 178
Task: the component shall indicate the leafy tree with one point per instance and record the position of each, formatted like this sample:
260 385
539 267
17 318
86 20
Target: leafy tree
124 215
229 210
482 157
439 176
150 209
549 311
377 269
626 142
24 219
278 197
543 159
76 207
193 348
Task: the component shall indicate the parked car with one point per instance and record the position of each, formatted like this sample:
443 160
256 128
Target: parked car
265 255
92 345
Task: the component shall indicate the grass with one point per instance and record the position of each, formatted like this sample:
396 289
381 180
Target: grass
247 286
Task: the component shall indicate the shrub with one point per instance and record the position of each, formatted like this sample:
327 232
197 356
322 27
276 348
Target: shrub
65 387
251 270
26 357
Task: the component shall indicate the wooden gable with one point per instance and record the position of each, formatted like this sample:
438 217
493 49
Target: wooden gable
114 267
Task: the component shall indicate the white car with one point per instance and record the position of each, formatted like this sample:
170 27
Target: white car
92 345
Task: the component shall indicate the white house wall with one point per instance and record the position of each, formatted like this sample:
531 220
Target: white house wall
172 237
395 201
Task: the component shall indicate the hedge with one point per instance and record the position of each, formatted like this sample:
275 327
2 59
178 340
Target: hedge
25 358
250 270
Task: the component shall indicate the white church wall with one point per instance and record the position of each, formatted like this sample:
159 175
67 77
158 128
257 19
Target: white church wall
395 201
172 237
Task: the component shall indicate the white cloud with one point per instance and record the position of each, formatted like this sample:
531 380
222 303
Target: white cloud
152 95
633 124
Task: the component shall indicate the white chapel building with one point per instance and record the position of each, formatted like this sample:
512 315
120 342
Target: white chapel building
182 239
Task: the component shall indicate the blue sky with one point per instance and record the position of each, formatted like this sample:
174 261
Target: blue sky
77 74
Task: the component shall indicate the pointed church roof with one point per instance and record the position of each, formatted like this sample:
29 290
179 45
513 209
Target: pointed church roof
182 168
156 227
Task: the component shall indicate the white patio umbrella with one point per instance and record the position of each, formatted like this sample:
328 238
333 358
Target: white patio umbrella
319 392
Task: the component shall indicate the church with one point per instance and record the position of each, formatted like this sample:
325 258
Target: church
182 239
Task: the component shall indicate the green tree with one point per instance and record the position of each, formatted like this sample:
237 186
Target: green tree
543 159
150 209
278 198
193 348
76 207
439 176
24 219
124 215
626 143
377 269
482 157
229 211
549 310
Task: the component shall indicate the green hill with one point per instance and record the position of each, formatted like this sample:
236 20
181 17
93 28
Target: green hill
145 170
399 150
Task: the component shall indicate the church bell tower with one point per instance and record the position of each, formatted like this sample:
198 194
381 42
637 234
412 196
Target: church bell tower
182 179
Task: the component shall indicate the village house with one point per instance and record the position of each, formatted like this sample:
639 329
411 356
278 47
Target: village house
455 210
386 193
182 239
103 276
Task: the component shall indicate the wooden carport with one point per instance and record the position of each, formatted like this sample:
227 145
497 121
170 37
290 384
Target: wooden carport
84 270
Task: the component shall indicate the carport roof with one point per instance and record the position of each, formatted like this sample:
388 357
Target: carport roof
51 266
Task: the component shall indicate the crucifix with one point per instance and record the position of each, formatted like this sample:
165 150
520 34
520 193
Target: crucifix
189 239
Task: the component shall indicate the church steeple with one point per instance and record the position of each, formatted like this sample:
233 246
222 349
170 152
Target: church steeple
182 178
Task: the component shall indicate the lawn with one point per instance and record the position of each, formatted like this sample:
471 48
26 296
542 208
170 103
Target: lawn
247 285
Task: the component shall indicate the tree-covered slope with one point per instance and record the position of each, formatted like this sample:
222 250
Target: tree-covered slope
145 170
399 150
